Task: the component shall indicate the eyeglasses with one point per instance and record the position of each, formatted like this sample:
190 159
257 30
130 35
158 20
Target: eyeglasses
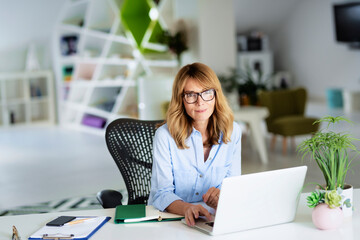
192 97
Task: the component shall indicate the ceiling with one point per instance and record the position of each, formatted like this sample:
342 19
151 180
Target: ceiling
261 15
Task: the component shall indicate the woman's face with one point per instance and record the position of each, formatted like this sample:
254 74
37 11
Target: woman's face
199 111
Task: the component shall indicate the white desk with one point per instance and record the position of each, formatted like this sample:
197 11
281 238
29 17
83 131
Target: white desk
302 228
254 117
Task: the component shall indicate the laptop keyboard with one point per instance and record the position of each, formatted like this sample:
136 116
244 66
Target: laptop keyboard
211 224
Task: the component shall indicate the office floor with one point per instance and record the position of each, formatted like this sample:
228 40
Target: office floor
44 163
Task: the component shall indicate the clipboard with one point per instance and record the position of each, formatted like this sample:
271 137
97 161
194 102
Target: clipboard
81 230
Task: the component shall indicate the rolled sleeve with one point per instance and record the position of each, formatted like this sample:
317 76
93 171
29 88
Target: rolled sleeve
162 181
236 155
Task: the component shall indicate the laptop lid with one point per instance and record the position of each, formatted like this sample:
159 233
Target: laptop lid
257 200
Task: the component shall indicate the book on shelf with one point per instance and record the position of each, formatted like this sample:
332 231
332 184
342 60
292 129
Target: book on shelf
67 72
93 121
142 213
69 45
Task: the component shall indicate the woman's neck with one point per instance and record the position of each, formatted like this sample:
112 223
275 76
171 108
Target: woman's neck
202 128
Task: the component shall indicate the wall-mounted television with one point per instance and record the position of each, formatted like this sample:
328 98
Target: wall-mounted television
347 22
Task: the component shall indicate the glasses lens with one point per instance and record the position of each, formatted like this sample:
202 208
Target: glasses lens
208 95
190 97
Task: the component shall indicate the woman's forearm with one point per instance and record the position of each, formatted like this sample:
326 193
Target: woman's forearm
178 207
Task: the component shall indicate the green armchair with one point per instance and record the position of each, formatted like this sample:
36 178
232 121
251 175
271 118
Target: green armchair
287 114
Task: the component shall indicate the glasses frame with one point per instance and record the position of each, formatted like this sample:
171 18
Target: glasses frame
200 94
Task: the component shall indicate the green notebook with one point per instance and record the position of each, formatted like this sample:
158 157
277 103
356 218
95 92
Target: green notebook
142 213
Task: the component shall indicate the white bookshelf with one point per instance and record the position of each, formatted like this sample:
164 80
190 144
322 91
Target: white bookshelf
26 98
98 62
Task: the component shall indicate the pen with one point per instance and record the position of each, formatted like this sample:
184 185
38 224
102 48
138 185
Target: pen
81 220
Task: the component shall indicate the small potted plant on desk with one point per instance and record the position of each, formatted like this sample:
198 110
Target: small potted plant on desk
331 152
327 213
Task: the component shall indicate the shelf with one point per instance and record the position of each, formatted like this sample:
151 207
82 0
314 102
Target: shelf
77 92
102 48
70 29
96 34
26 98
39 112
102 16
16 113
85 71
93 47
104 98
120 50
112 71
42 99
75 14
115 83
15 89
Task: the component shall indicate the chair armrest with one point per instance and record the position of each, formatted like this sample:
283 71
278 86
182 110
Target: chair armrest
109 198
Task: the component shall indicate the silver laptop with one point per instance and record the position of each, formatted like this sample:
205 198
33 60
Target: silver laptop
256 200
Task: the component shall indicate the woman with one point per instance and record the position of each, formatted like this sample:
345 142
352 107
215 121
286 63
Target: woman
196 148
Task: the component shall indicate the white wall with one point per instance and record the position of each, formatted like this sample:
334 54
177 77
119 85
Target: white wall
217 42
211 32
305 45
23 22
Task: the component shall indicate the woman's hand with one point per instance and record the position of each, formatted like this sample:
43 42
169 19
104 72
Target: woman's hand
193 212
190 211
211 197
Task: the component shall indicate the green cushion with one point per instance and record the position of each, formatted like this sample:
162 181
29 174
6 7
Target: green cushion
293 125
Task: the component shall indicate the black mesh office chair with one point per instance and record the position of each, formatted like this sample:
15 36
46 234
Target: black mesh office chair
130 144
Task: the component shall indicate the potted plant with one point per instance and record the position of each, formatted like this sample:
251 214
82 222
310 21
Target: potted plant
177 41
330 150
247 83
327 213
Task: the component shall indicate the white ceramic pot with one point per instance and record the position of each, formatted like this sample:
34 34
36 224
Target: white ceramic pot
347 195
325 218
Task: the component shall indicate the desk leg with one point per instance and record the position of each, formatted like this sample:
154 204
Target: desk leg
255 127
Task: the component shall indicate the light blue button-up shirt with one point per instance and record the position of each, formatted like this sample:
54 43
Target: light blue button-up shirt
182 174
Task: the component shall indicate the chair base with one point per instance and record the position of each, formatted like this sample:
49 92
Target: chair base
109 198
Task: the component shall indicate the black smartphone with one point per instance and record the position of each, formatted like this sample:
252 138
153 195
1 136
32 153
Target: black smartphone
60 221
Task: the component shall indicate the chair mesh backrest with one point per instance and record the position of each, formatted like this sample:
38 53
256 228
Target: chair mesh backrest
130 142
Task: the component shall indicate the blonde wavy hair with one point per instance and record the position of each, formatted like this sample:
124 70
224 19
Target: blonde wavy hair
180 124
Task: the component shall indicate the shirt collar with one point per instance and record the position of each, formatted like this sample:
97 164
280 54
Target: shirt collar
195 132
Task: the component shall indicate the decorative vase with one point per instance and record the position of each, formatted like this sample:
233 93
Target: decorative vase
244 100
325 218
347 195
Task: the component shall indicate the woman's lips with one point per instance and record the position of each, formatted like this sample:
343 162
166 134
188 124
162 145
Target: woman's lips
200 111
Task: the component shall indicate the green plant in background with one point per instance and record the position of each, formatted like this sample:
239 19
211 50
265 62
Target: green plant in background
177 43
330 151
229 82
251 82
246 81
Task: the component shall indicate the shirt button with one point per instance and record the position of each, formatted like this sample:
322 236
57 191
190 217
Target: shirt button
201 175
209 158
196 193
